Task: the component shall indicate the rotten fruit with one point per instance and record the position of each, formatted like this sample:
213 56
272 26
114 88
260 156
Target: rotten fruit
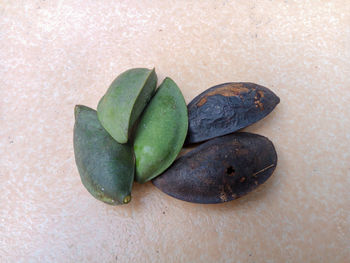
226 108
220 170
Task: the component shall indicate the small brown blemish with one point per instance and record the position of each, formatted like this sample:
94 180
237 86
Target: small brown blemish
259 104
208 181
229 90
236 144
261 93
242 179
223 196
234 196
243 151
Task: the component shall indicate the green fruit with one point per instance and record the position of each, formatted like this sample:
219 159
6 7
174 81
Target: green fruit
125 100
161 132
106 167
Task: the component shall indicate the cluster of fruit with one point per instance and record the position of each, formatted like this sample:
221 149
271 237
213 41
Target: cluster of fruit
138 131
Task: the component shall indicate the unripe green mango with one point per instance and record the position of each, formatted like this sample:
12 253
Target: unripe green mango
106 167
161 132
125 100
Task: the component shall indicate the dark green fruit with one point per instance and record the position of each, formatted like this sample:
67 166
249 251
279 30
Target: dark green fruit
226 108
106 167
220 170
125 100
161 132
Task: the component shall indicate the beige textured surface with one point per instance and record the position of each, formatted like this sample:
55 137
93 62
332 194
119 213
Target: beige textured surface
55 54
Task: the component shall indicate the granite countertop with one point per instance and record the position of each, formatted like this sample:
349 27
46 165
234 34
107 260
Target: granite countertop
55 54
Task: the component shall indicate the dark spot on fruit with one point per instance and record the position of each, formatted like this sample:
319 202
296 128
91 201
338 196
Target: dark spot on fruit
230 171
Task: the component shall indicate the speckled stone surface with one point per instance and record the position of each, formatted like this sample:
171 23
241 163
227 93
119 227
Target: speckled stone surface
55 54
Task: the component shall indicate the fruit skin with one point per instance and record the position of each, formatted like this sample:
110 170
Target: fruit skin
161 132
106 167
220 170
226 108
125 100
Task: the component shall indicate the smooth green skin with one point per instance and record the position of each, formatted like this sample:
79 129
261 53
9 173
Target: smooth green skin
125 100
161 132
106 167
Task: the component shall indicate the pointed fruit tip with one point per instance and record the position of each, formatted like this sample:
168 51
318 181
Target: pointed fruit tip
127 199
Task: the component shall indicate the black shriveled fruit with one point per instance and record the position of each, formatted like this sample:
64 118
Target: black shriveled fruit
220 170
226 108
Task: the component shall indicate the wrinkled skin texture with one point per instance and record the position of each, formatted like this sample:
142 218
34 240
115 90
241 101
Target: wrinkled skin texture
161 132
125 100
106 167
226 108
220 170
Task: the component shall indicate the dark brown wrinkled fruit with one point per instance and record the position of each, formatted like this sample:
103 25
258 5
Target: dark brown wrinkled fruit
220 170
226 108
